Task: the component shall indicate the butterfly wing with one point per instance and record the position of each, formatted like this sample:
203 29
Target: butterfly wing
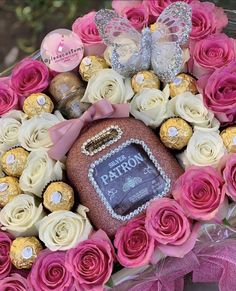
130 49
172 30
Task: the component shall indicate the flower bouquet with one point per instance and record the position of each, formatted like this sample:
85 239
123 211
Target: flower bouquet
118 153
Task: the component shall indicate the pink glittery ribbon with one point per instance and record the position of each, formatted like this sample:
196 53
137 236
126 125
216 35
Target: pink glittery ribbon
167 275
64 134
209 263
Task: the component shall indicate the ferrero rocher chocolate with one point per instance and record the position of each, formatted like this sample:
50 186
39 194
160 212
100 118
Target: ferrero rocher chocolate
58 196
9 188
37 103
24 251
145 79
175 133
13 161
64 84
229 138
91 64
181 84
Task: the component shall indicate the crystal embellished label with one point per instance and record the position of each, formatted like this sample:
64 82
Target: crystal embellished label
128 178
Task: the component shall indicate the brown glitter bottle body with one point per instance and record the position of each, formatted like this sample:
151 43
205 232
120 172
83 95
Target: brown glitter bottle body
117 167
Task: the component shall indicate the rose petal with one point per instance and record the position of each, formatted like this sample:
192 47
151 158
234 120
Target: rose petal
182 250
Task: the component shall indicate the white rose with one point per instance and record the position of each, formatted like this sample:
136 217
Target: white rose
16 114
191 108
150 106
63 230
9 130
39 171
20 215
59 116
204 149
33 134
108 84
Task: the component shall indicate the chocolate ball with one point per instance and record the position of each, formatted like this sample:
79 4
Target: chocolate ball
64 84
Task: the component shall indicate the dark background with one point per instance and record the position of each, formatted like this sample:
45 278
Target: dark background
24 23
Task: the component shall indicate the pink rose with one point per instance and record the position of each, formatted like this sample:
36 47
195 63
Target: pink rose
229 174
14 283
199 192
86 29
211 53
91 262
5 261
29 76
167 223
50 273
120 5
137 14
135 246
5 80
155 7
219 92
206 19
8 98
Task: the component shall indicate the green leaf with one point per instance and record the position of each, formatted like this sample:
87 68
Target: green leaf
226 222
110 283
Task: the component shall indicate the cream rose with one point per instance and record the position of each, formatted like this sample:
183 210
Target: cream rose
204 149
33 134
108 84
63 230
9 130
20 215
191 108
40 170
16 114
150 106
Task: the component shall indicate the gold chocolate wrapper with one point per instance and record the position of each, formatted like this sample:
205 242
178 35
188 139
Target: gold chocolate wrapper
37 103
152 27
181 84
145 79
91 64
64 84
229 138
58 196
72 107
175 133
9 188
24 251
14 161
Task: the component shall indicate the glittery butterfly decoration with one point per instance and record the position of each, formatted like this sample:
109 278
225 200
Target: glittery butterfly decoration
133 51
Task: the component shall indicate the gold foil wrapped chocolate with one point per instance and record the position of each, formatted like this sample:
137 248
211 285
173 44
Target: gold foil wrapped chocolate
9 188
37 103
67 91
175 133
145 79
24 251
71 106
13 161
181 84
91 64
58 196
229 138
152 27
64 84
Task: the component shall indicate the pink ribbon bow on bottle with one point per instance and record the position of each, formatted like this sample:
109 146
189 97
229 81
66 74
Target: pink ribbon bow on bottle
64 134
